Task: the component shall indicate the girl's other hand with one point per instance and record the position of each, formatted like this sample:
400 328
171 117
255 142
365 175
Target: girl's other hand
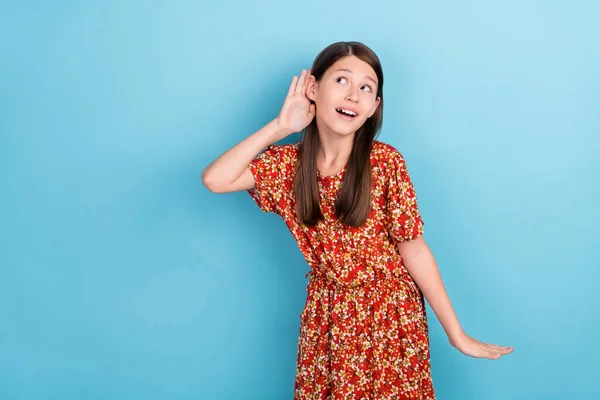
297 111
474 348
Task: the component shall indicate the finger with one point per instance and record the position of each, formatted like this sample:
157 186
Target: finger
506 350
496 347
292 88
307 82
500 352
492 346
487 352
497 351
488 348
300 85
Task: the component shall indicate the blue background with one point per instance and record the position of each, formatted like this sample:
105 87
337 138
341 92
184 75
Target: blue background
122 277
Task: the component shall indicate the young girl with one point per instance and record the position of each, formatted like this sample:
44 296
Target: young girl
350 205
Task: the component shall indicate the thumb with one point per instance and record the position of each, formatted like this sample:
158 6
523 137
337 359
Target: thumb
312 110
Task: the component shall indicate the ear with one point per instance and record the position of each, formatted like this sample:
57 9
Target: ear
311 88
375 106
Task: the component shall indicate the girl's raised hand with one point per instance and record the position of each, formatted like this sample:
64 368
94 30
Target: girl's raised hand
474 348
297 111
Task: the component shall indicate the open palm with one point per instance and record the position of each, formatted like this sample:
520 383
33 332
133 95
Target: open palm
297 111
474 348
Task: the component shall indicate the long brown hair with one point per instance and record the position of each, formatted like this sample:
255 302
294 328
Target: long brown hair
353 204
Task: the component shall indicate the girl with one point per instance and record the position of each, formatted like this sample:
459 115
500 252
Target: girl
350 205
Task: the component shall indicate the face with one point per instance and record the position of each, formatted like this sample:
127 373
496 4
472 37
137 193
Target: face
345 96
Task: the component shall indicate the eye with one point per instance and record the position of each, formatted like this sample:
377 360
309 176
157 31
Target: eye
340 78
369 88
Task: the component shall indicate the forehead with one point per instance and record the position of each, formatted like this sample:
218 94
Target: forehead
354 65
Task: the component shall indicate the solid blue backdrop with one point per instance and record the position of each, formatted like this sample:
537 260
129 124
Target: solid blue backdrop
122 277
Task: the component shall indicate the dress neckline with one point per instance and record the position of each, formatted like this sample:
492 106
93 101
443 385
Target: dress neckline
333 176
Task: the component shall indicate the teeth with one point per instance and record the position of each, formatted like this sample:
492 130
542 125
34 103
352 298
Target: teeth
348 112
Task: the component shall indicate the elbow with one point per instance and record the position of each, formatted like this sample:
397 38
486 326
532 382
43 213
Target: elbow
212 185
207 182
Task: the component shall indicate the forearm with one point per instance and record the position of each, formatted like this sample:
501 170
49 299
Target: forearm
422 267
229 166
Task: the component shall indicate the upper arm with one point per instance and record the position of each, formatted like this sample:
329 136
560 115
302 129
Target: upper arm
244 182
410 249
266 179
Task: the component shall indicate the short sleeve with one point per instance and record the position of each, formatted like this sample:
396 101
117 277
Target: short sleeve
403 218
269 170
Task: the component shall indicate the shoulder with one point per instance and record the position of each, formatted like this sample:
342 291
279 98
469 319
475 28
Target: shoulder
286 152
277 154
278 163
386 157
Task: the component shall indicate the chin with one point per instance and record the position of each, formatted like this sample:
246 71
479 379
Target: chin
347 133
347 129
342 130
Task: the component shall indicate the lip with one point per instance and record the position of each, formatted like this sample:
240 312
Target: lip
354 110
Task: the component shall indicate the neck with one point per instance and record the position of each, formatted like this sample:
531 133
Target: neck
334 149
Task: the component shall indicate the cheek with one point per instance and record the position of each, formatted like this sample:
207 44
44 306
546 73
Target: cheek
324 103
369 103
368 98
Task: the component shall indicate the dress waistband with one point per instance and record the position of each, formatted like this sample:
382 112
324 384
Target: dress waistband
323 275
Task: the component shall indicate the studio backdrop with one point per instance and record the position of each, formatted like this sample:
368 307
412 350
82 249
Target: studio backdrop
122 277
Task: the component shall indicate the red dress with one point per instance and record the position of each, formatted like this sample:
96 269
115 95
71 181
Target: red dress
363 330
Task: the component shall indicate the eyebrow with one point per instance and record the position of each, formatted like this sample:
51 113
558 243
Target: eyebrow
347 70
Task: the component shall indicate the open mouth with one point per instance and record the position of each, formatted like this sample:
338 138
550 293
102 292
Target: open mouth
348 114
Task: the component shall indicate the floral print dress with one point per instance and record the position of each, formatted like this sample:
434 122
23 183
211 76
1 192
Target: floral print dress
363 330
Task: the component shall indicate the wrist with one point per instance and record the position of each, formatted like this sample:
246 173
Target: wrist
457 337
281 130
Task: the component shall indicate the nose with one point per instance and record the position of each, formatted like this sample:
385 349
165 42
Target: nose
352 94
